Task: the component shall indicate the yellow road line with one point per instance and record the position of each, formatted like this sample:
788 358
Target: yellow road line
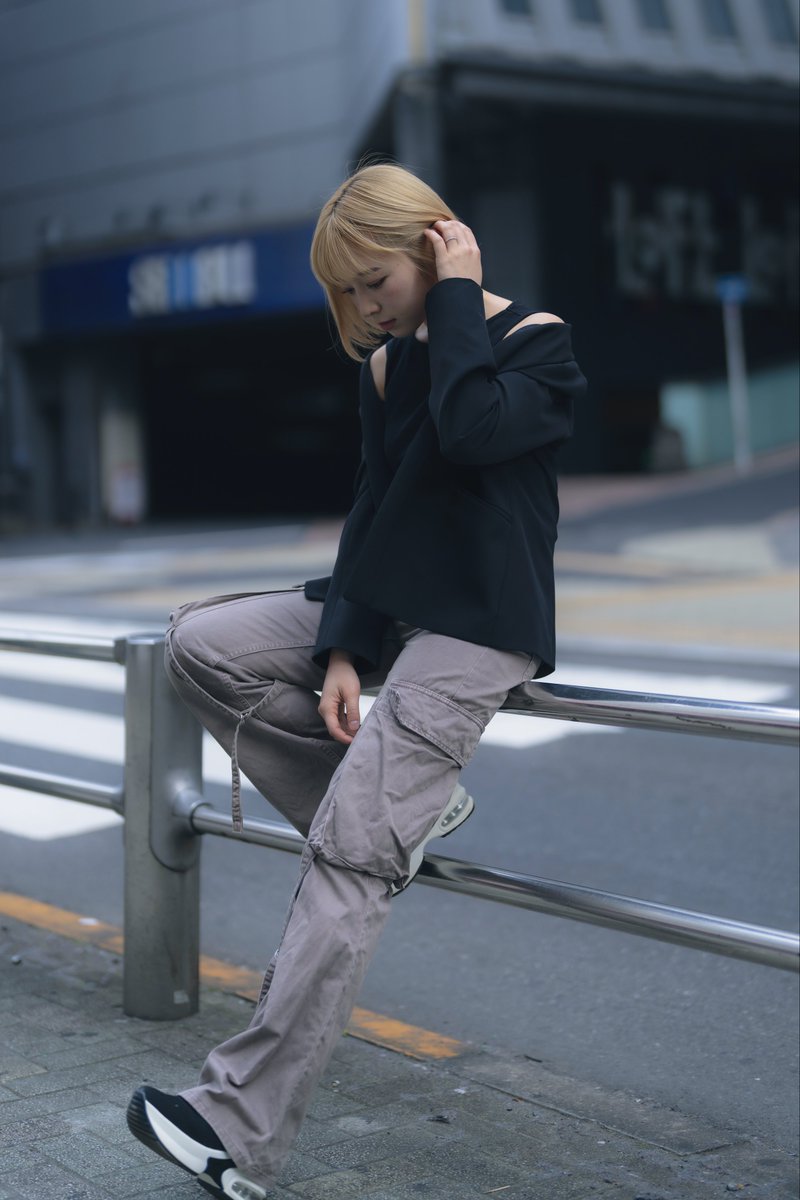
241 981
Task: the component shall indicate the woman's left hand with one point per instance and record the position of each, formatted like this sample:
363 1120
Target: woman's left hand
457 252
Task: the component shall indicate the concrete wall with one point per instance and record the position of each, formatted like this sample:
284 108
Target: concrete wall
121 121
550 32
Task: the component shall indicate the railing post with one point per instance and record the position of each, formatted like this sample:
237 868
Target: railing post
163 765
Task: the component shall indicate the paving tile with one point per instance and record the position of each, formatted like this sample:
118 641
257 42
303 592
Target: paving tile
60 1081
146 1179
90 1050
101 1118
361 1181
315 1133
29 1108
301 1167
381 1127
44 1180
431 1188
14 1066
88 1155
36 1132
475 1167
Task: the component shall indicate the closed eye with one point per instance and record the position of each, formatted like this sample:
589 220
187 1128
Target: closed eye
377 284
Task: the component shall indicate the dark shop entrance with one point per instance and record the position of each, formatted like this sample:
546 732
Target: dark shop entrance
248 420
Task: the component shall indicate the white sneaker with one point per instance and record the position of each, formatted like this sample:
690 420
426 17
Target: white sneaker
455 812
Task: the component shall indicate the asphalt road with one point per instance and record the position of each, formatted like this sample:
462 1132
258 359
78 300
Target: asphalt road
699 823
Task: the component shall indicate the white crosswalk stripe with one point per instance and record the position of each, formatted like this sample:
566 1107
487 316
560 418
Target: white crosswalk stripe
68 729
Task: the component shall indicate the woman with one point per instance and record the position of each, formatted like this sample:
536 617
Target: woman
442 592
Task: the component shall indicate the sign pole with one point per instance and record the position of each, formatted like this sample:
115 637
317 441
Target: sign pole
732 290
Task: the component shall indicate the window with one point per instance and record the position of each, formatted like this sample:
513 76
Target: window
654 14
779 21
521 8
587 11
717 18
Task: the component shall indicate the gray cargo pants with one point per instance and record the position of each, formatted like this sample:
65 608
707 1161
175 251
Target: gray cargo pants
243 665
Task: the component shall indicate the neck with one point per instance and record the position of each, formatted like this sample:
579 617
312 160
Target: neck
493 304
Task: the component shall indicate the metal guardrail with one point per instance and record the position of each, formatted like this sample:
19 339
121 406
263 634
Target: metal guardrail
162 802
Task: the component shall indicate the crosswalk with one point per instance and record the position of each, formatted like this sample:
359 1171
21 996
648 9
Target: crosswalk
54 717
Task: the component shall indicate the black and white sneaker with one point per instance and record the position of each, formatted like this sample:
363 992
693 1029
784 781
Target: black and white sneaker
172 1128
455 812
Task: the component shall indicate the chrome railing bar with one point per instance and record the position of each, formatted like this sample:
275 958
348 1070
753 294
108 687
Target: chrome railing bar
685 714
660 922
698 931
66 645
100 795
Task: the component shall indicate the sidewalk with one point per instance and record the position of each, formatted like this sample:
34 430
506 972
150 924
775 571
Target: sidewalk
383 1126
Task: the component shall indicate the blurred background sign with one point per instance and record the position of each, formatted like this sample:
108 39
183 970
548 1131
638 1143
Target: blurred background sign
733 289
265 272
164 164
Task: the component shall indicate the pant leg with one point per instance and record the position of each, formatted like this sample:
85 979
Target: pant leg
382 800
231 655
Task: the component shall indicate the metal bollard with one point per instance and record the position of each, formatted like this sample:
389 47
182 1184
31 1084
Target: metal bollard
163 777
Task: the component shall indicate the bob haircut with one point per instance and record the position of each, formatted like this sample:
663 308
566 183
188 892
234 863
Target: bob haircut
381 209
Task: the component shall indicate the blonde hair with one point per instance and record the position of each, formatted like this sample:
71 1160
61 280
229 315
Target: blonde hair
381 209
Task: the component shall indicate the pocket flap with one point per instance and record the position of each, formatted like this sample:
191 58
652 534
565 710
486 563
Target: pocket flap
437 719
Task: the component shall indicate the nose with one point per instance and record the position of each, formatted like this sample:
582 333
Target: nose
368 305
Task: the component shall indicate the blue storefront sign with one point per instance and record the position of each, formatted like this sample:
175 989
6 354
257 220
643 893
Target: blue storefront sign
179 283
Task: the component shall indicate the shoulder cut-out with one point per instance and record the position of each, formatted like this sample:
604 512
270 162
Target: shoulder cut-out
539 318
377 365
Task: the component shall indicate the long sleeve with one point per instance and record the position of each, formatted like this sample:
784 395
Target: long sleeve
345 625
490 405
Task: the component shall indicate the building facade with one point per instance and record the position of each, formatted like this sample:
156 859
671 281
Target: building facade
165 351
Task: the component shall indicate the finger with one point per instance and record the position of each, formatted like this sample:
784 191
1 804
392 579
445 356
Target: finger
329 709
447 230
458 231
352 714
436 240
465 235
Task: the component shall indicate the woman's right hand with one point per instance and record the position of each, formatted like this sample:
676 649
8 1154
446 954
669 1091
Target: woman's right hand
456 250
341 693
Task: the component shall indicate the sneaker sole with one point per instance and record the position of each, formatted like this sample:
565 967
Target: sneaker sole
449 821
140 1127
142 1130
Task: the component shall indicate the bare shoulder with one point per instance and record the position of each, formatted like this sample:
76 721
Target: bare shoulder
539 318
377 365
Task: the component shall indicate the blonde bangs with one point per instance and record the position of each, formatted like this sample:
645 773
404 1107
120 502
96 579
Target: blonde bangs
381 209
342 250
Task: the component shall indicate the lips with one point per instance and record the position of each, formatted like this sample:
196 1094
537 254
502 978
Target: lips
384 325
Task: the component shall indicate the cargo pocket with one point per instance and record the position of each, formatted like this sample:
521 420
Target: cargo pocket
394 781
437 719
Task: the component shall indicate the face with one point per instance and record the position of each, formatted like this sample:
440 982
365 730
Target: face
390 294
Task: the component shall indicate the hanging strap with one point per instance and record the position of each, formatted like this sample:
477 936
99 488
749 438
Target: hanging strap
236 777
